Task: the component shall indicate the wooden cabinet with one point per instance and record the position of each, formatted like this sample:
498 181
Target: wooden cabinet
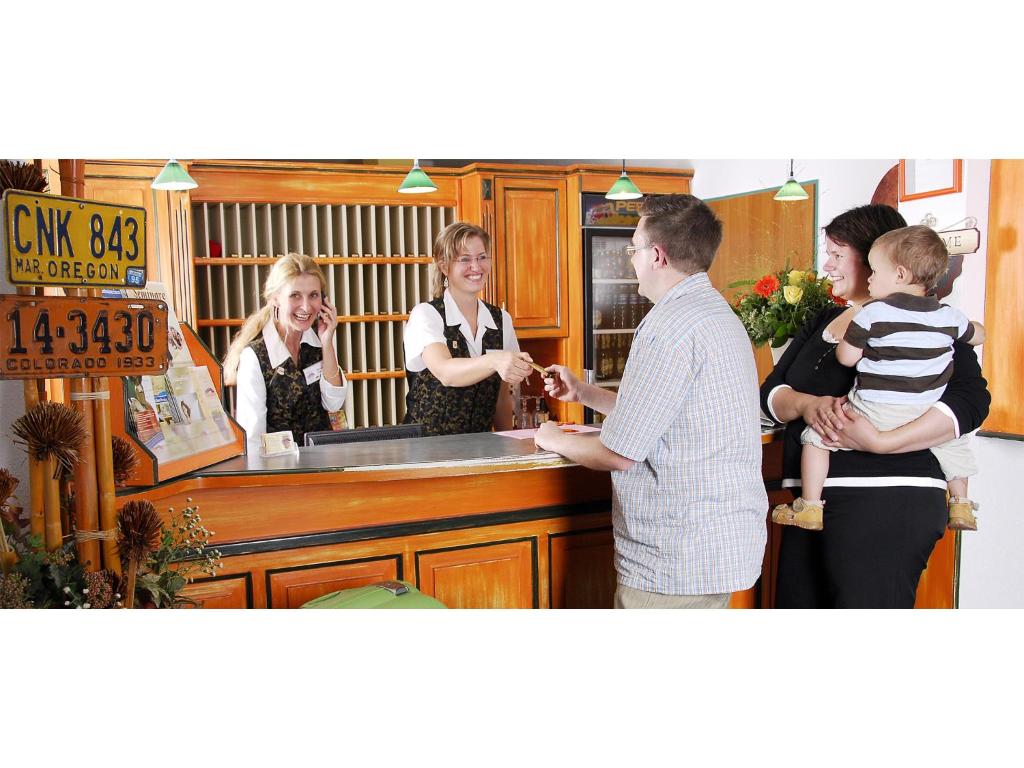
291 587
580 576
500 574
531 257
234 591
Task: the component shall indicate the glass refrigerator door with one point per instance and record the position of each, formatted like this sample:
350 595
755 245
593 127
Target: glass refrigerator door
616 308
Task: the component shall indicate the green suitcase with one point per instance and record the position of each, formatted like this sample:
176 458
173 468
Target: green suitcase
386 594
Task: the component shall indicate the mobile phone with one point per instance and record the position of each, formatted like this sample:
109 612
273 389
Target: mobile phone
394 587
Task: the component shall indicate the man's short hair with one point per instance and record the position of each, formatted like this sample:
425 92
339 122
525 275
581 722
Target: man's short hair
918 249
685 228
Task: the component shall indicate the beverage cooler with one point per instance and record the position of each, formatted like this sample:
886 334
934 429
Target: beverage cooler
612 308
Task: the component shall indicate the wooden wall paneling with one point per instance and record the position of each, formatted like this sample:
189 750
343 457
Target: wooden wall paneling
572 349
501 574
292 587
650 181
937 587
1002 356
232 591
181 275
531 256
581 570
476 206
128 184
762 235
284 182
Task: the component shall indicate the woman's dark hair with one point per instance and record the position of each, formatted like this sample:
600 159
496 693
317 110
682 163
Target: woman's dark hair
858 227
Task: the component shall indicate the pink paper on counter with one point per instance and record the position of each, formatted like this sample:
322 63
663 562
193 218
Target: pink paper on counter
527 434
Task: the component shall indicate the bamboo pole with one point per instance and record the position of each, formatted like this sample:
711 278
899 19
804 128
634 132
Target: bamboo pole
105 474
51 505
86 501
87 472
8 557
36 470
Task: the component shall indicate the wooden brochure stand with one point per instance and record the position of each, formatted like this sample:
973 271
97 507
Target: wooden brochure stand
151 470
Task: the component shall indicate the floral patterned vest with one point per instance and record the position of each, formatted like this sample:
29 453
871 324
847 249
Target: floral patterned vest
455 410
291 403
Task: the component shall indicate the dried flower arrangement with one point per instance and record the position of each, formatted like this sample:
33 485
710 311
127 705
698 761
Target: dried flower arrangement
183 552
55 579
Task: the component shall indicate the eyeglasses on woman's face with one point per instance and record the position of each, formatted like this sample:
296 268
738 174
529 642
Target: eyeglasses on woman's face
483 260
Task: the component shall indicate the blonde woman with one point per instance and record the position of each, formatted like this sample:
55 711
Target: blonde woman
459 349
283 361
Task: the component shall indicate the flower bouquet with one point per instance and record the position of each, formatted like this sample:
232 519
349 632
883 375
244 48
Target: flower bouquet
776 306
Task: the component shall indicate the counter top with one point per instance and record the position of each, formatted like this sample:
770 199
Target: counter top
483 449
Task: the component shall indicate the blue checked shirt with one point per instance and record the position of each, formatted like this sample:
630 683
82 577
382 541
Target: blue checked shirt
690 515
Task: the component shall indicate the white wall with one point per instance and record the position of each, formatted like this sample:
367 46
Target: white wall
12 406
991 568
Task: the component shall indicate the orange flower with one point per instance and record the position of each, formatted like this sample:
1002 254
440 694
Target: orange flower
766 286
836 299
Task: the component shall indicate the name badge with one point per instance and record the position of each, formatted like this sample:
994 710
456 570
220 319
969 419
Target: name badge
313 372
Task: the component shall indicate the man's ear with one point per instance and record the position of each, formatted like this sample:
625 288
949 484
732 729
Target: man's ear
660 257
903 275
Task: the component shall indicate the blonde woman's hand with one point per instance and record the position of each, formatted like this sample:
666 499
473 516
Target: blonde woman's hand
326 322
512 367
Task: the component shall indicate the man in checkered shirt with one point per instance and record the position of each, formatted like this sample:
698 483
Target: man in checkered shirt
682 438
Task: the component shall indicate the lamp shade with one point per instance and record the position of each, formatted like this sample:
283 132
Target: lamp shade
416 181
623 189
174 178
791 190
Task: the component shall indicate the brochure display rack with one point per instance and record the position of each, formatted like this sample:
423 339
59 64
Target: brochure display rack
177 420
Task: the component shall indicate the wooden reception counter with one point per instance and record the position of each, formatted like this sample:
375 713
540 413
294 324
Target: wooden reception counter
479 521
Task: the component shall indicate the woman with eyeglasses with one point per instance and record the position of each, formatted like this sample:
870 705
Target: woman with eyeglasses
458 349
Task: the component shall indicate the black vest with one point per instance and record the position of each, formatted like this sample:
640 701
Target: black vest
292 404
455 410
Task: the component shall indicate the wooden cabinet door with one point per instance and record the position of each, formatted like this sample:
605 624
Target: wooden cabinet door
582 569
501 574
531 257
296 586
221 592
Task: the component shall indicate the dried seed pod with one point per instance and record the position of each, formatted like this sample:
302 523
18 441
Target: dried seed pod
126 459
138 530
24 176
8 483
52 429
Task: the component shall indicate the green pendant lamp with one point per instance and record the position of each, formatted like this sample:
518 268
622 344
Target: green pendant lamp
417 182
173 178
623 188
791 190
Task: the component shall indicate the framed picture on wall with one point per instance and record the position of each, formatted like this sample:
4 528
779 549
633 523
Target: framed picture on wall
929 178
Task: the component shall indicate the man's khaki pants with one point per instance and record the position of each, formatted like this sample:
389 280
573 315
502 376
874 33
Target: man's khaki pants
627 597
